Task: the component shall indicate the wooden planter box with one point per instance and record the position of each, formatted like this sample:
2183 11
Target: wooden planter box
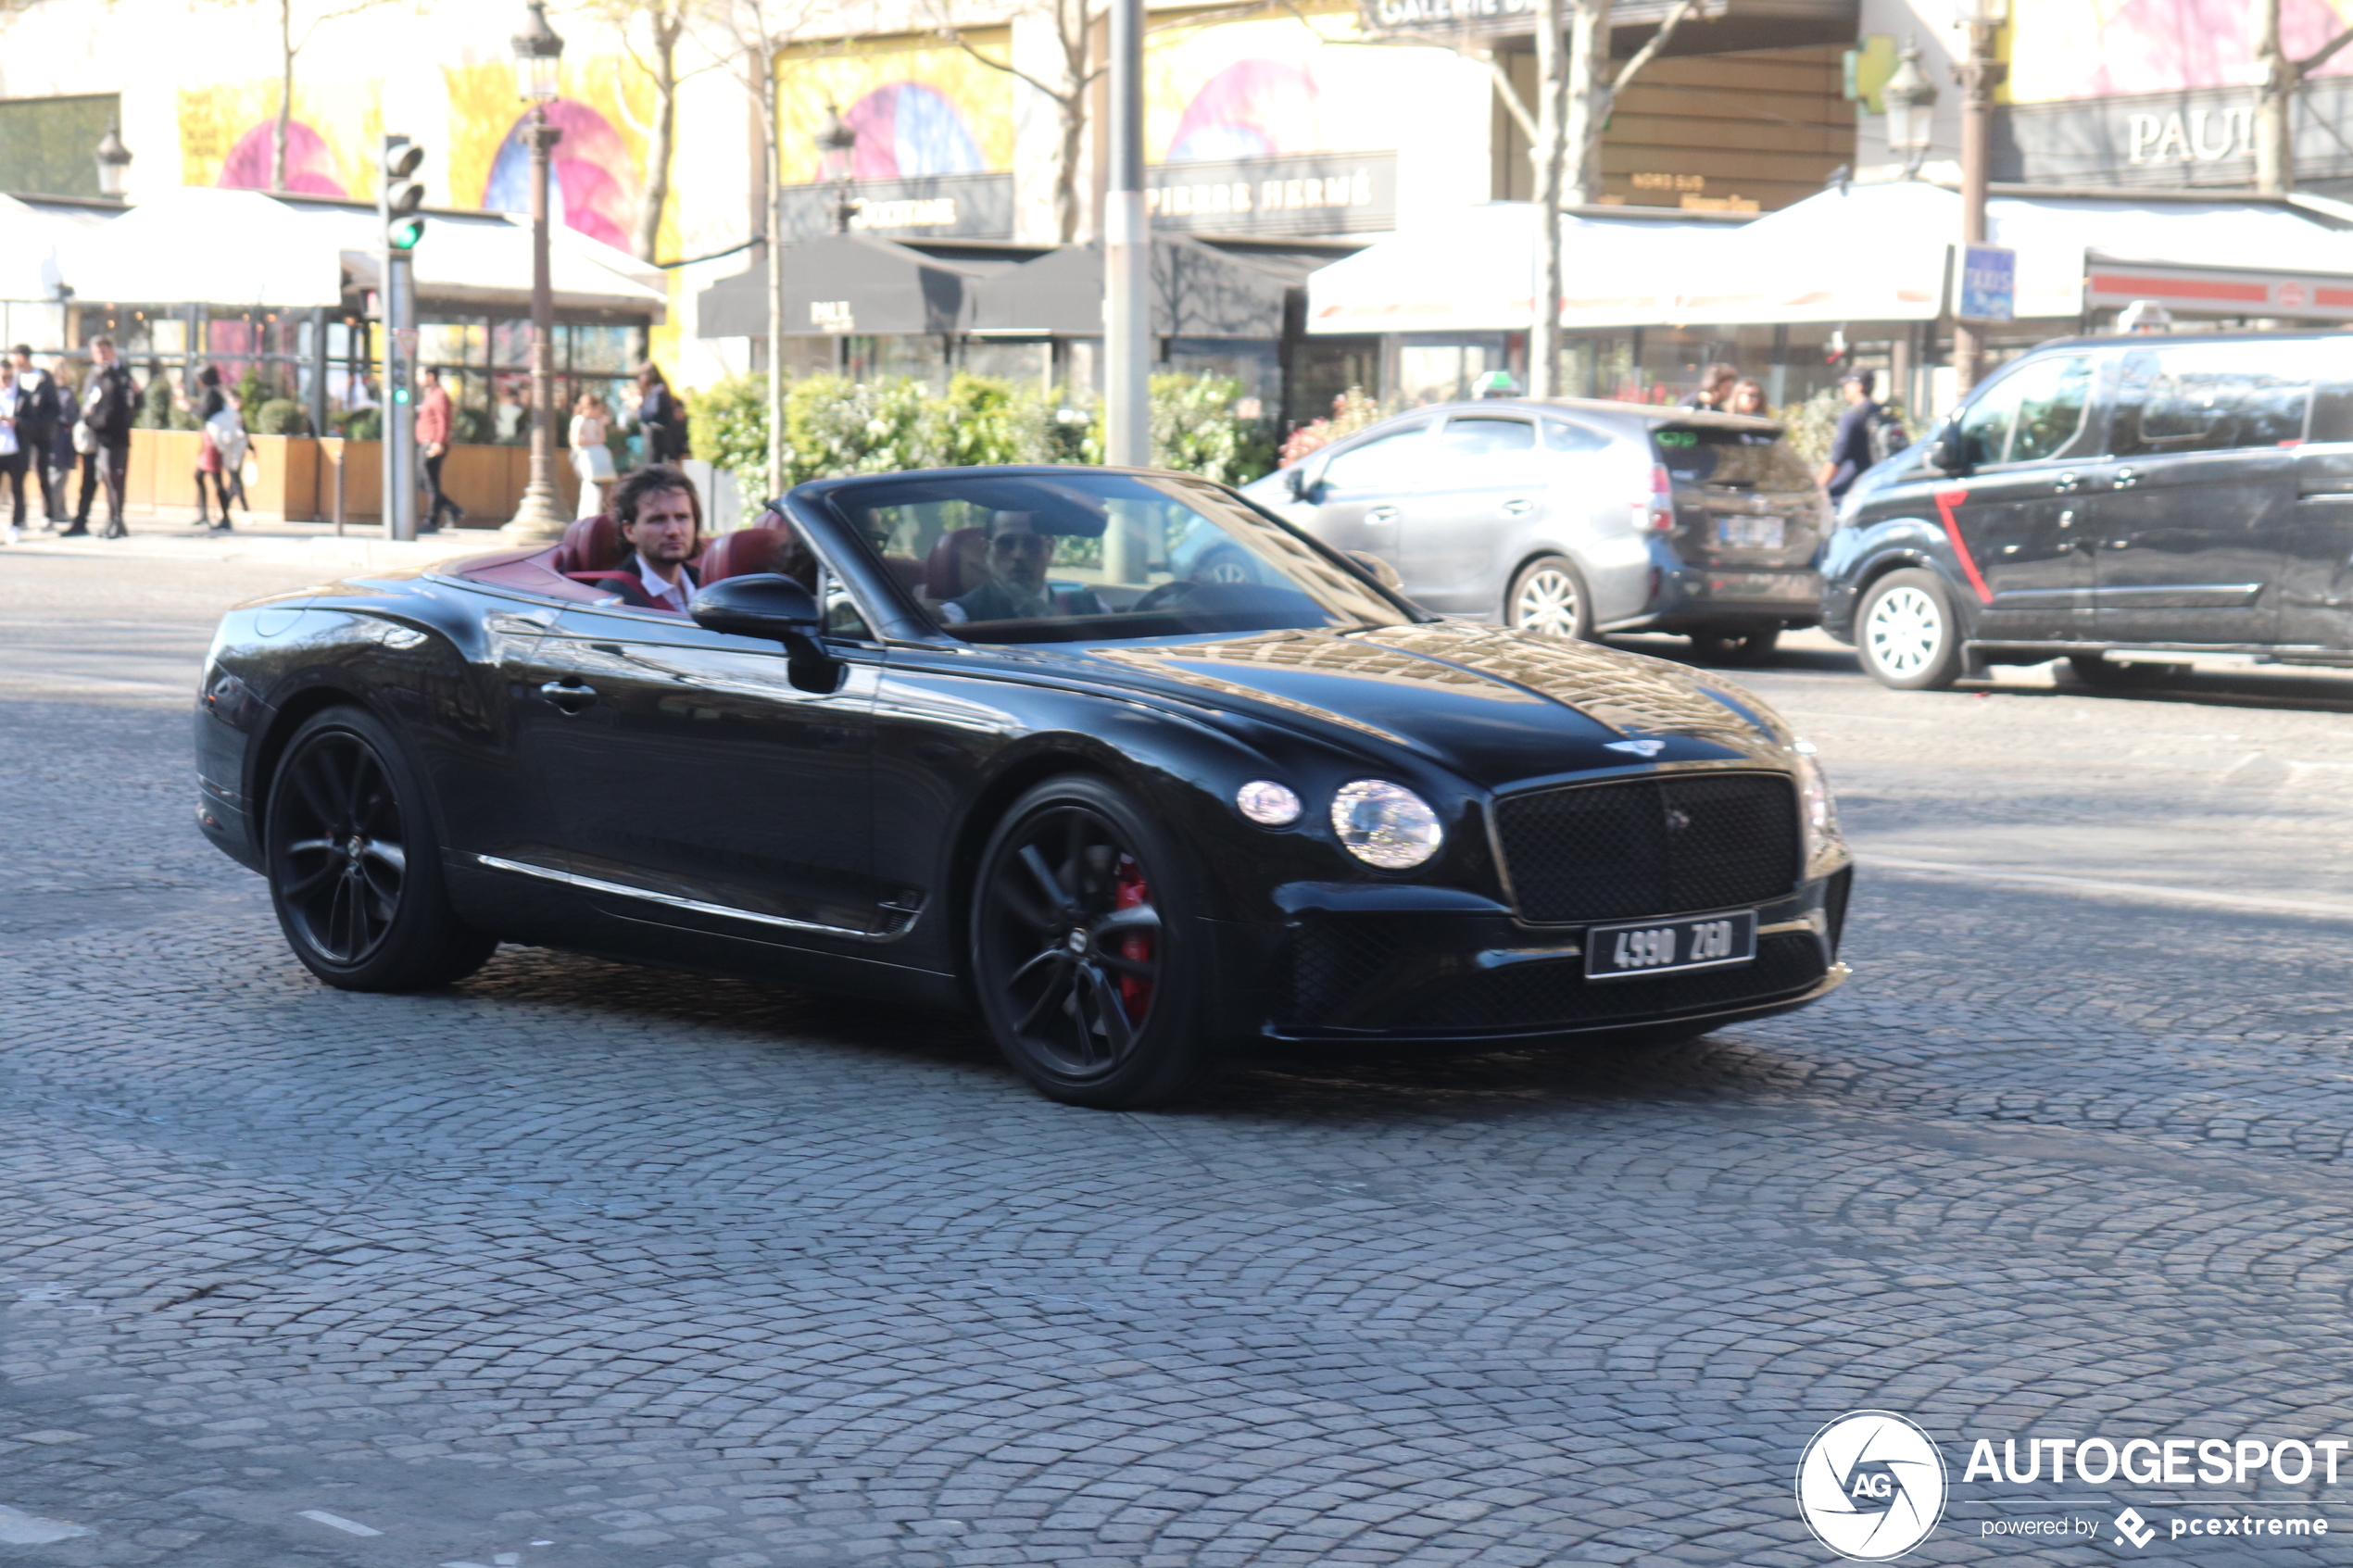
293 478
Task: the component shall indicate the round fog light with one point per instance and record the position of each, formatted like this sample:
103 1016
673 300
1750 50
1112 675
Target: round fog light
1386 824
1268 804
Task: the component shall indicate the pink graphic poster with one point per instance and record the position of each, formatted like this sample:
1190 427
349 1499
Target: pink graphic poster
2063 49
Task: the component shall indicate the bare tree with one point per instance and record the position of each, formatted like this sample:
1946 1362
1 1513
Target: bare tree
297 25
665 24
2275 99
1073 37
1576 90
749 35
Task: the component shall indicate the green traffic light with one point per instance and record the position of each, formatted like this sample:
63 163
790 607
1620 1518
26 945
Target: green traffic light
405 234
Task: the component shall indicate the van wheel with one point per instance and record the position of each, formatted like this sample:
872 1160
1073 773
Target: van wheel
1548 598
1907 635
1083 951
1749 649
355 869
2094 670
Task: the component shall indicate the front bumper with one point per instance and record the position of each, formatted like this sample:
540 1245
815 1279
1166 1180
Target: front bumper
1348 972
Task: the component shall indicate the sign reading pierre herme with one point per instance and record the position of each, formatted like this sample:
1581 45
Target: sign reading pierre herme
1295 193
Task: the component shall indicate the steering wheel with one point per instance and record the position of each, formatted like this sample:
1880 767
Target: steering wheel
1165 595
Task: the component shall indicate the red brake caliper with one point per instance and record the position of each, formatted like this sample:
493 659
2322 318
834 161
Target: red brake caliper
1128 891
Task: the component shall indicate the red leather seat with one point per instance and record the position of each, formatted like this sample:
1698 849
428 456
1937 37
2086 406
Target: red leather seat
740 553
958 564
593 544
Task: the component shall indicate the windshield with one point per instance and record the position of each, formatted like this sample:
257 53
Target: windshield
1740 458
1038 557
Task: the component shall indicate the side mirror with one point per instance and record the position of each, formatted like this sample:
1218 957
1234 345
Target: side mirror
1378 570
761 604
1295 482
1946 452
766 605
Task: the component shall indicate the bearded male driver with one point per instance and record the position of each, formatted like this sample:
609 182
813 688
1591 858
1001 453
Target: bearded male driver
1017 589
660 520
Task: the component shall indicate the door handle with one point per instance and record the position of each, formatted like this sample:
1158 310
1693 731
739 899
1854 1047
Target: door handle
2126 478
2067 518
1519 506
568 696
1381 514
2066 484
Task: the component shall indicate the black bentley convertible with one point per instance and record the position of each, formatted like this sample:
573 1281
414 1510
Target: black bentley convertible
1142 772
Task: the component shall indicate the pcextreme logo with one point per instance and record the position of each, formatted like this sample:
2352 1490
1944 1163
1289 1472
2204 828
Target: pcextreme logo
1871 1485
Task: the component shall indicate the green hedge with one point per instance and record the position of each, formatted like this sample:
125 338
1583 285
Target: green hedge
835 426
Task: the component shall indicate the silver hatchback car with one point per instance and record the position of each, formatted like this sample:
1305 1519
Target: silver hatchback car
1575 517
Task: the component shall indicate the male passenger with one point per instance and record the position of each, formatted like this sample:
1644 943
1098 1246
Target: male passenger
660 520
1018 555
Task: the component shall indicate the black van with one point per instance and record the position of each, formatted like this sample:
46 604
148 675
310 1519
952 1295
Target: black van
2134 494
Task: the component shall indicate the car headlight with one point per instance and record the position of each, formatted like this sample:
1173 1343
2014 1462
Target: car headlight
1814 800
1386 824
1267 803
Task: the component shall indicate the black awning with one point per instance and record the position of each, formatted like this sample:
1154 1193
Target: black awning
1196 292
844 283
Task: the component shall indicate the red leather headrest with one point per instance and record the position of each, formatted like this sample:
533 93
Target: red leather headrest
593 544
739 554
958 563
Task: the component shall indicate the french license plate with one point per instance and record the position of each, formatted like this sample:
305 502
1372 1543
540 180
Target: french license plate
1751 533
1662 946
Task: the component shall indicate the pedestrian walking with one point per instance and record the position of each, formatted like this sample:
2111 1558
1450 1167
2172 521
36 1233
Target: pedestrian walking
12 447
73 445
209 402
591 458
1714 387
658 419
37 430
109 404
434 419
226 431
1851 443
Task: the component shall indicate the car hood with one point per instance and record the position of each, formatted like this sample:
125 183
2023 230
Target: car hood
1492 705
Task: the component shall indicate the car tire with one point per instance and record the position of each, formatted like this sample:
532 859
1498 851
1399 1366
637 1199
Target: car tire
1548 598
1908 634
1083 951
355 866
2094 670
1749 649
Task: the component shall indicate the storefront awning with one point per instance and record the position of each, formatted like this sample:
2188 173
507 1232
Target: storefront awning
1861 252
248 249
1197 291
852 283
31 234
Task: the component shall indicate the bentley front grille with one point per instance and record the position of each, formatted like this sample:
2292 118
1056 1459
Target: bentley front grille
1659 846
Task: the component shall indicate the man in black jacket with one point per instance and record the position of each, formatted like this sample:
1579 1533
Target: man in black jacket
660 520
37 428
109 402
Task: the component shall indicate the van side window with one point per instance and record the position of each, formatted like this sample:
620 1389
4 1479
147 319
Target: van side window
1561 435
1478 435
1986 425
2052 396
2211 397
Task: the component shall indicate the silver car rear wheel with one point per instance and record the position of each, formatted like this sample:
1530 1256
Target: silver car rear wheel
1548 598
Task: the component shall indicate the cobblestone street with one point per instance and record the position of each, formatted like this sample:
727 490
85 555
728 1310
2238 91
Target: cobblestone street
583 1266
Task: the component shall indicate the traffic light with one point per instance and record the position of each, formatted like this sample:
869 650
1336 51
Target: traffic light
402 195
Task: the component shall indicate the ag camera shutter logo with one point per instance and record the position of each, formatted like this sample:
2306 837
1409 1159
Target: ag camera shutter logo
1871 1485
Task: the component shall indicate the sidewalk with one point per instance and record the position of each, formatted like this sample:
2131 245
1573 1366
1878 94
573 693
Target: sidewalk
360 548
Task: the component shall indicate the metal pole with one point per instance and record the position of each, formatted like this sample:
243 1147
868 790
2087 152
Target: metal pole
1978 76
1126 252
399 398
540 514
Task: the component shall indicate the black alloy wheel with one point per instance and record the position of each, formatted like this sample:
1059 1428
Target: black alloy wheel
355 871
1081 956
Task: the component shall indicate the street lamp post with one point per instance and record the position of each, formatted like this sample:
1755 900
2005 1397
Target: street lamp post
1127 251
538 50
1978 72
1910 98
114 163
837 159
